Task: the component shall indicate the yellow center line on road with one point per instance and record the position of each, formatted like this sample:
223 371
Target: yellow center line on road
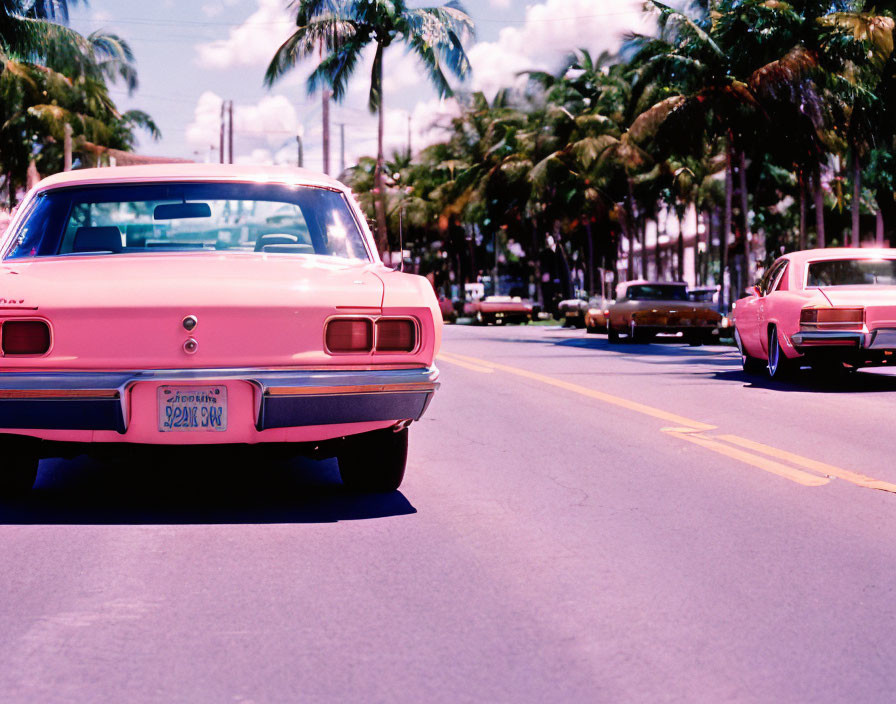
585 391
465 365
813 465
763 463
693 431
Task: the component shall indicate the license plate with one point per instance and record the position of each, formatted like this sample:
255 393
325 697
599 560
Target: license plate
192 409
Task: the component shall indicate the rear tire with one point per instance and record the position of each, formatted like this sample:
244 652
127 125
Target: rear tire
612 334
374 462
779 366
751 365
638 336
18 465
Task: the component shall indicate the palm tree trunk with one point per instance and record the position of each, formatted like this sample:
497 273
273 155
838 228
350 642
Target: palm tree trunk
627 231
726 230
382 233
819 210
879 230
589 276
642 231
697 267
856 196
745 214
11 188
710 237
681 248
632 217
803 243
536 258
658 252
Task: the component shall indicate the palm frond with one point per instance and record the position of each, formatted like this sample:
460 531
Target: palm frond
335 70
331 32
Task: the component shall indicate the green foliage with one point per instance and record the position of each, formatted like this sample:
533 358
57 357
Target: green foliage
793 90
52 77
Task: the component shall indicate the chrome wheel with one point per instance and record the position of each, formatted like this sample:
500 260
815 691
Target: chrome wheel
778 364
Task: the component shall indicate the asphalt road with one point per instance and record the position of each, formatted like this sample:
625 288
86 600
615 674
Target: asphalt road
580 522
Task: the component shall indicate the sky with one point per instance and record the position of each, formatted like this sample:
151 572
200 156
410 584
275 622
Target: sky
192 54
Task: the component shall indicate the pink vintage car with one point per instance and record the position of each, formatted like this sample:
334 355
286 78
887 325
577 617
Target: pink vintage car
195 304
833 309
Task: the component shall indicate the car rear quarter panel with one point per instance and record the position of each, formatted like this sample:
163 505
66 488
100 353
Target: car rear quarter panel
413 296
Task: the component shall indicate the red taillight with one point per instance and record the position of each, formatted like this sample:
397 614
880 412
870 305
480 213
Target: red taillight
832 317
25 337
395 335
350 335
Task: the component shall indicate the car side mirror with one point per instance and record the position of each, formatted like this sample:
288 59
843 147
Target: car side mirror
754 291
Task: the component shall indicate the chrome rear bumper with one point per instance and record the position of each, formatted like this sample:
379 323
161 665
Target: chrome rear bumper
880 339
99 400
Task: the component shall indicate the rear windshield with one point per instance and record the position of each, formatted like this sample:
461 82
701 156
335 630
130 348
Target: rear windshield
657 292
190 217
852 272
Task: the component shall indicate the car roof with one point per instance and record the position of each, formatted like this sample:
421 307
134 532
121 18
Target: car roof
189 172
808 255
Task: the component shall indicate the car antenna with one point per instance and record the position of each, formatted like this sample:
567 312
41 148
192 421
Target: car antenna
400 240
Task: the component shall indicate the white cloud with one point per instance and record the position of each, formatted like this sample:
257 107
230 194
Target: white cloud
216 7
252 43
551 30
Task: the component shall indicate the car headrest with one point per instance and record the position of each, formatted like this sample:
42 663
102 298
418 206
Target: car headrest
288 249
135 234
274 238
97 239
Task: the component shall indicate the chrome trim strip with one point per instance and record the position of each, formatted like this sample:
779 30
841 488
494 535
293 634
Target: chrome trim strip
828 337
271 384
61 394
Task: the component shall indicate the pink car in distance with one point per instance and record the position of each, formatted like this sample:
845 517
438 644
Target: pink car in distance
199 305
833 309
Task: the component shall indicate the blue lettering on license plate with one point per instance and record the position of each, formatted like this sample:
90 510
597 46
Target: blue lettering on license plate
192 408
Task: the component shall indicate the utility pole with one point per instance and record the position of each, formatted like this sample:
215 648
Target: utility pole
342 147
409 137
221 136
230 132
301 154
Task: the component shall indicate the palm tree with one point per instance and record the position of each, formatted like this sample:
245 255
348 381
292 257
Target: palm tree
345 28
27 28
52 77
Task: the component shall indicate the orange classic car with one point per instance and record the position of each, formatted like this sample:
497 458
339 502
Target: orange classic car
644 309
499 310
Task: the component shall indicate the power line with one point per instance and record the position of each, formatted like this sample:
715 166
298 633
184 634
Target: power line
247 23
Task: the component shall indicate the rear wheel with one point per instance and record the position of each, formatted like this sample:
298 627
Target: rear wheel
612 334
751 365
374 462
639 336
779 366
18 465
